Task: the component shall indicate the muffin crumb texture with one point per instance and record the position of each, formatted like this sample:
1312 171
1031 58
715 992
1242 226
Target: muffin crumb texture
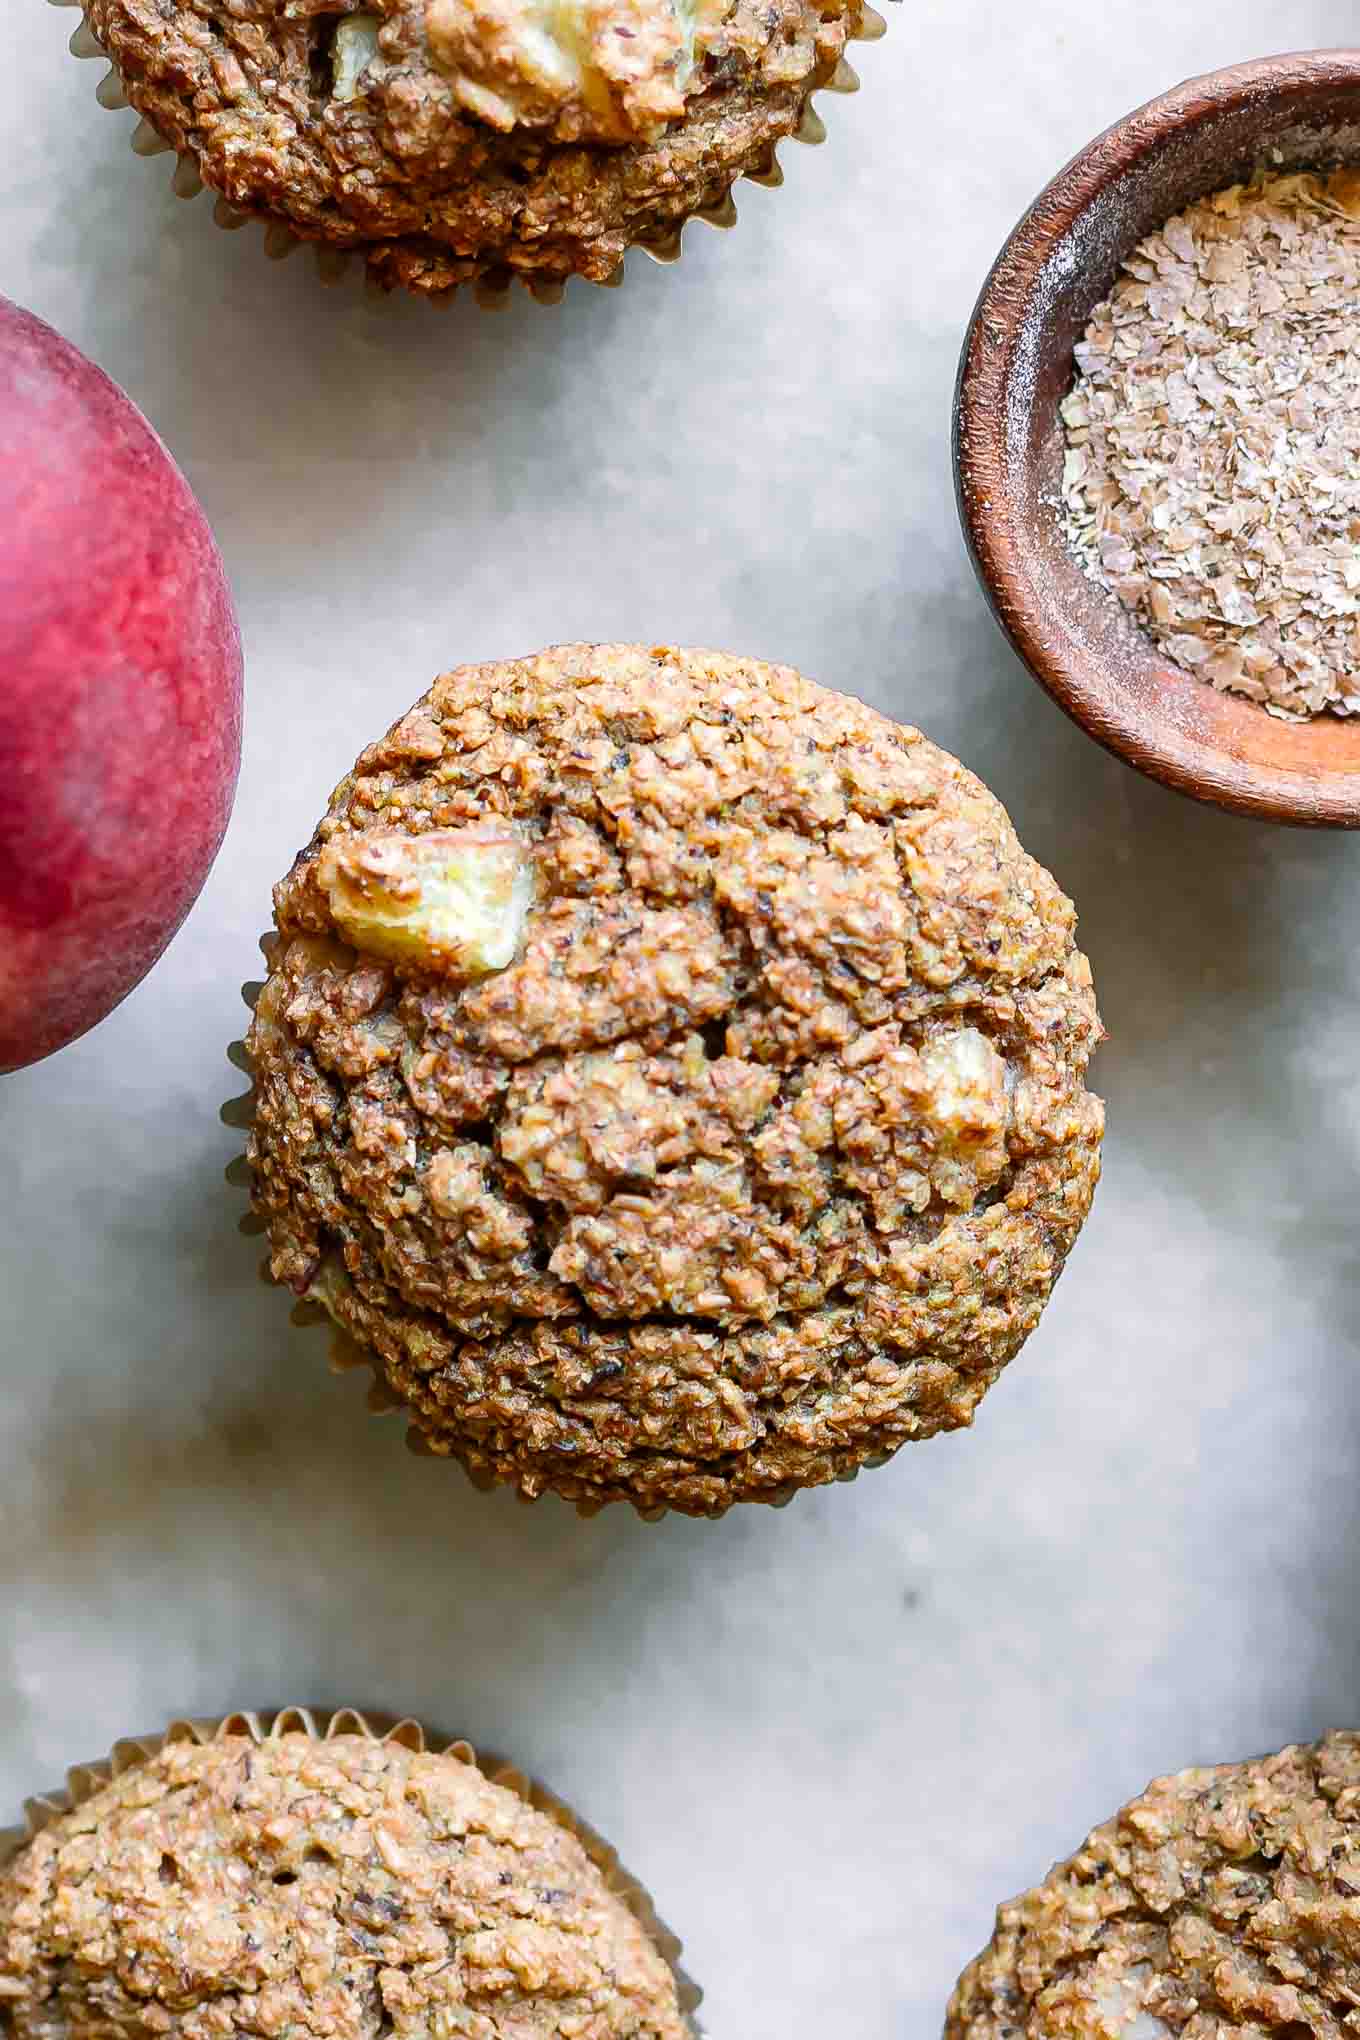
761 1152
1223 1902
447 140
340 1890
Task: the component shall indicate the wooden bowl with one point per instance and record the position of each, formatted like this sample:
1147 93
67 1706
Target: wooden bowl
1292 112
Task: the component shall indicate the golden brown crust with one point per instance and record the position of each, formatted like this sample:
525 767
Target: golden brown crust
403 173
1223 1904
338 1890
762 1156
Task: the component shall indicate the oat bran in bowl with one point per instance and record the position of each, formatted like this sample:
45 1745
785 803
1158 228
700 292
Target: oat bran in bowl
1212 475
1041 566
445 142
671 1076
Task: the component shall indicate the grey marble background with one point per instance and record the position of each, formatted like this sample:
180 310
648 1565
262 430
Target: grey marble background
831 1738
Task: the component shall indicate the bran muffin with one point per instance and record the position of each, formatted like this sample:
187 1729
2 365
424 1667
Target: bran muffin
1223 1902
342 1887
672 1075
449 140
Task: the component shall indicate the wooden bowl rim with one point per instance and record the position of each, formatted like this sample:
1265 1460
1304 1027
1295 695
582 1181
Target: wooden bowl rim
1295 788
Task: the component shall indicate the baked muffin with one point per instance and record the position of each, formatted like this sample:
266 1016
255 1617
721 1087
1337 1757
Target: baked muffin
446 140
1223 1902
341 1887
672 1074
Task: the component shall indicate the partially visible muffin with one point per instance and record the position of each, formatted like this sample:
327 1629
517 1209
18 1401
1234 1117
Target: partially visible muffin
340 1889
1223 1902
446 139
673 1075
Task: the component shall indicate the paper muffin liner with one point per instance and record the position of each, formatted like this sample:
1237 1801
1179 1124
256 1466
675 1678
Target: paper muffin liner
83 1781
347 1355
492 291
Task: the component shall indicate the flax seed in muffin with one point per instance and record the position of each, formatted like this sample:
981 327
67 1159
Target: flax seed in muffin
673 1075
448 140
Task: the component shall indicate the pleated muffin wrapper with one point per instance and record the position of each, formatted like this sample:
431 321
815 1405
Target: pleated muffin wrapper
492 290
84 1781
347 1355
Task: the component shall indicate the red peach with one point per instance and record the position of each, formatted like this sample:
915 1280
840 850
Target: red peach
120 693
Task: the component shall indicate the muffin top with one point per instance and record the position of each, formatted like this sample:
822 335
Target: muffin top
674 1072
446 136
340 1889
1223 1901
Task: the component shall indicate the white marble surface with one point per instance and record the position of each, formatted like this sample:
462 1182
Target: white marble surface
833 1737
